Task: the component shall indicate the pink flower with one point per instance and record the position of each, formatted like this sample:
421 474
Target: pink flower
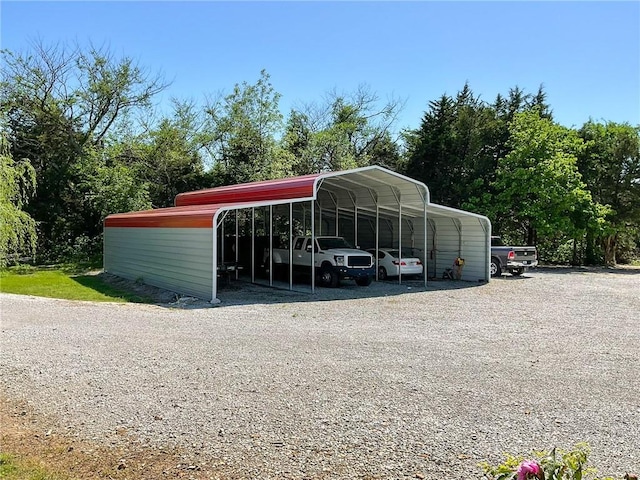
528 469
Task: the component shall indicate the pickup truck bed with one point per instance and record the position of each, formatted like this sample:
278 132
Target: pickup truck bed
515 260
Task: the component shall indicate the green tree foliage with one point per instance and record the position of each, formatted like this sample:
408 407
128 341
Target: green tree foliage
540 194
17 185
348 131
169 155
243 128
460 141
84 120
60 106
610 166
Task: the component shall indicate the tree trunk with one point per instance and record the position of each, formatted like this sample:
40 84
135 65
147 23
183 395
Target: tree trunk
590 249
609 244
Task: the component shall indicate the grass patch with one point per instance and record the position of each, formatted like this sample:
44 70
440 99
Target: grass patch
60 283
13 468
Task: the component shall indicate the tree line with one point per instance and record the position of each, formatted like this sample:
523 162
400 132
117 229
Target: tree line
81 138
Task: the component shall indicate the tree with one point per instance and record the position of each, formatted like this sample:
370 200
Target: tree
243 128
60 104
460 142
347 131
610 166
168 156
17 185
539 190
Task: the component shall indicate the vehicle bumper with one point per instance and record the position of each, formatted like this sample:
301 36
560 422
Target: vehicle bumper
523 264
409 270
348 272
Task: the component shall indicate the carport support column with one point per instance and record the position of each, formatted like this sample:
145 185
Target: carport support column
214 266
271 245
424 249
222 242
291 246
313 250
355 224
253 245
237 251
399 241
377 237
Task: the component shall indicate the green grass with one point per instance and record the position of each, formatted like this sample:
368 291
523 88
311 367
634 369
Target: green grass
59 283
11 468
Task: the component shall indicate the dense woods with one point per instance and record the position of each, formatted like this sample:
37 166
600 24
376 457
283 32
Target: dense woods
81 138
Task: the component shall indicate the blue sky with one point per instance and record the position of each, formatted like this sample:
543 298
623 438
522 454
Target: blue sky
586 54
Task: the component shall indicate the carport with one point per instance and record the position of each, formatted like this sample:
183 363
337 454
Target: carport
186 248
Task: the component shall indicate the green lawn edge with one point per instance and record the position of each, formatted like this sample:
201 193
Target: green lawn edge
64 282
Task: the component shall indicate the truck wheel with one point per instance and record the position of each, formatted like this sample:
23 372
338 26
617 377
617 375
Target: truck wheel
382 273
495 268
363 281
517 272
329 278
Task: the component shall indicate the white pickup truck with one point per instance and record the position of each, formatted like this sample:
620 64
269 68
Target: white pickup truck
334 260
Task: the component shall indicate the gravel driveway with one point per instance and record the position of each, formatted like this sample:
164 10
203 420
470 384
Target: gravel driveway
404 383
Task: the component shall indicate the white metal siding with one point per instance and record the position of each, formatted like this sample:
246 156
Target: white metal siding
469 243
446 248
474 250
177 259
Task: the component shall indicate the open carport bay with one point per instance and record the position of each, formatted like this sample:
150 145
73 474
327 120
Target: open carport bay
285 385
188 248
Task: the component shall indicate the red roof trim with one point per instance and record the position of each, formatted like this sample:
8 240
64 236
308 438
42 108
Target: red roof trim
269 190
174 217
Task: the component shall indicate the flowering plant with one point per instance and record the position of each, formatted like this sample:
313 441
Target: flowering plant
555 465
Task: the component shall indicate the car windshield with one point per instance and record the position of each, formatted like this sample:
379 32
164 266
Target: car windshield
332 242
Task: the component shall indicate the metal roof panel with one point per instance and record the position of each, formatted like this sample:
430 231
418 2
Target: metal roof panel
268 190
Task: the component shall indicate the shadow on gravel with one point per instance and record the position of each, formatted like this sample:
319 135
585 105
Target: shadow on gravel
243 292
623 270
511 278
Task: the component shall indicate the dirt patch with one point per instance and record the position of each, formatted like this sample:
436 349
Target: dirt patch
36 441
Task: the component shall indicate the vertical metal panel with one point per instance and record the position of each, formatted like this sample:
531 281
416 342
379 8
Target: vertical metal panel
466 237
474 248
176 259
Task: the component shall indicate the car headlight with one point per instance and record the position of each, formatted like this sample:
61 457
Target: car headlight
339 260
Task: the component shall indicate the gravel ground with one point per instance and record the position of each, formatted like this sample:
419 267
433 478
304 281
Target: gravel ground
403 383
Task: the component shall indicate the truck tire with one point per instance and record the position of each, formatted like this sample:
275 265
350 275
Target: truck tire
495 268
363 281
328 277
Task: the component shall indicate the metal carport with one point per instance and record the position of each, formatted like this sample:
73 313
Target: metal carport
181 248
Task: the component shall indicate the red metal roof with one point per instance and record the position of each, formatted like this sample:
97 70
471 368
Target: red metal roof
174 217
281 189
